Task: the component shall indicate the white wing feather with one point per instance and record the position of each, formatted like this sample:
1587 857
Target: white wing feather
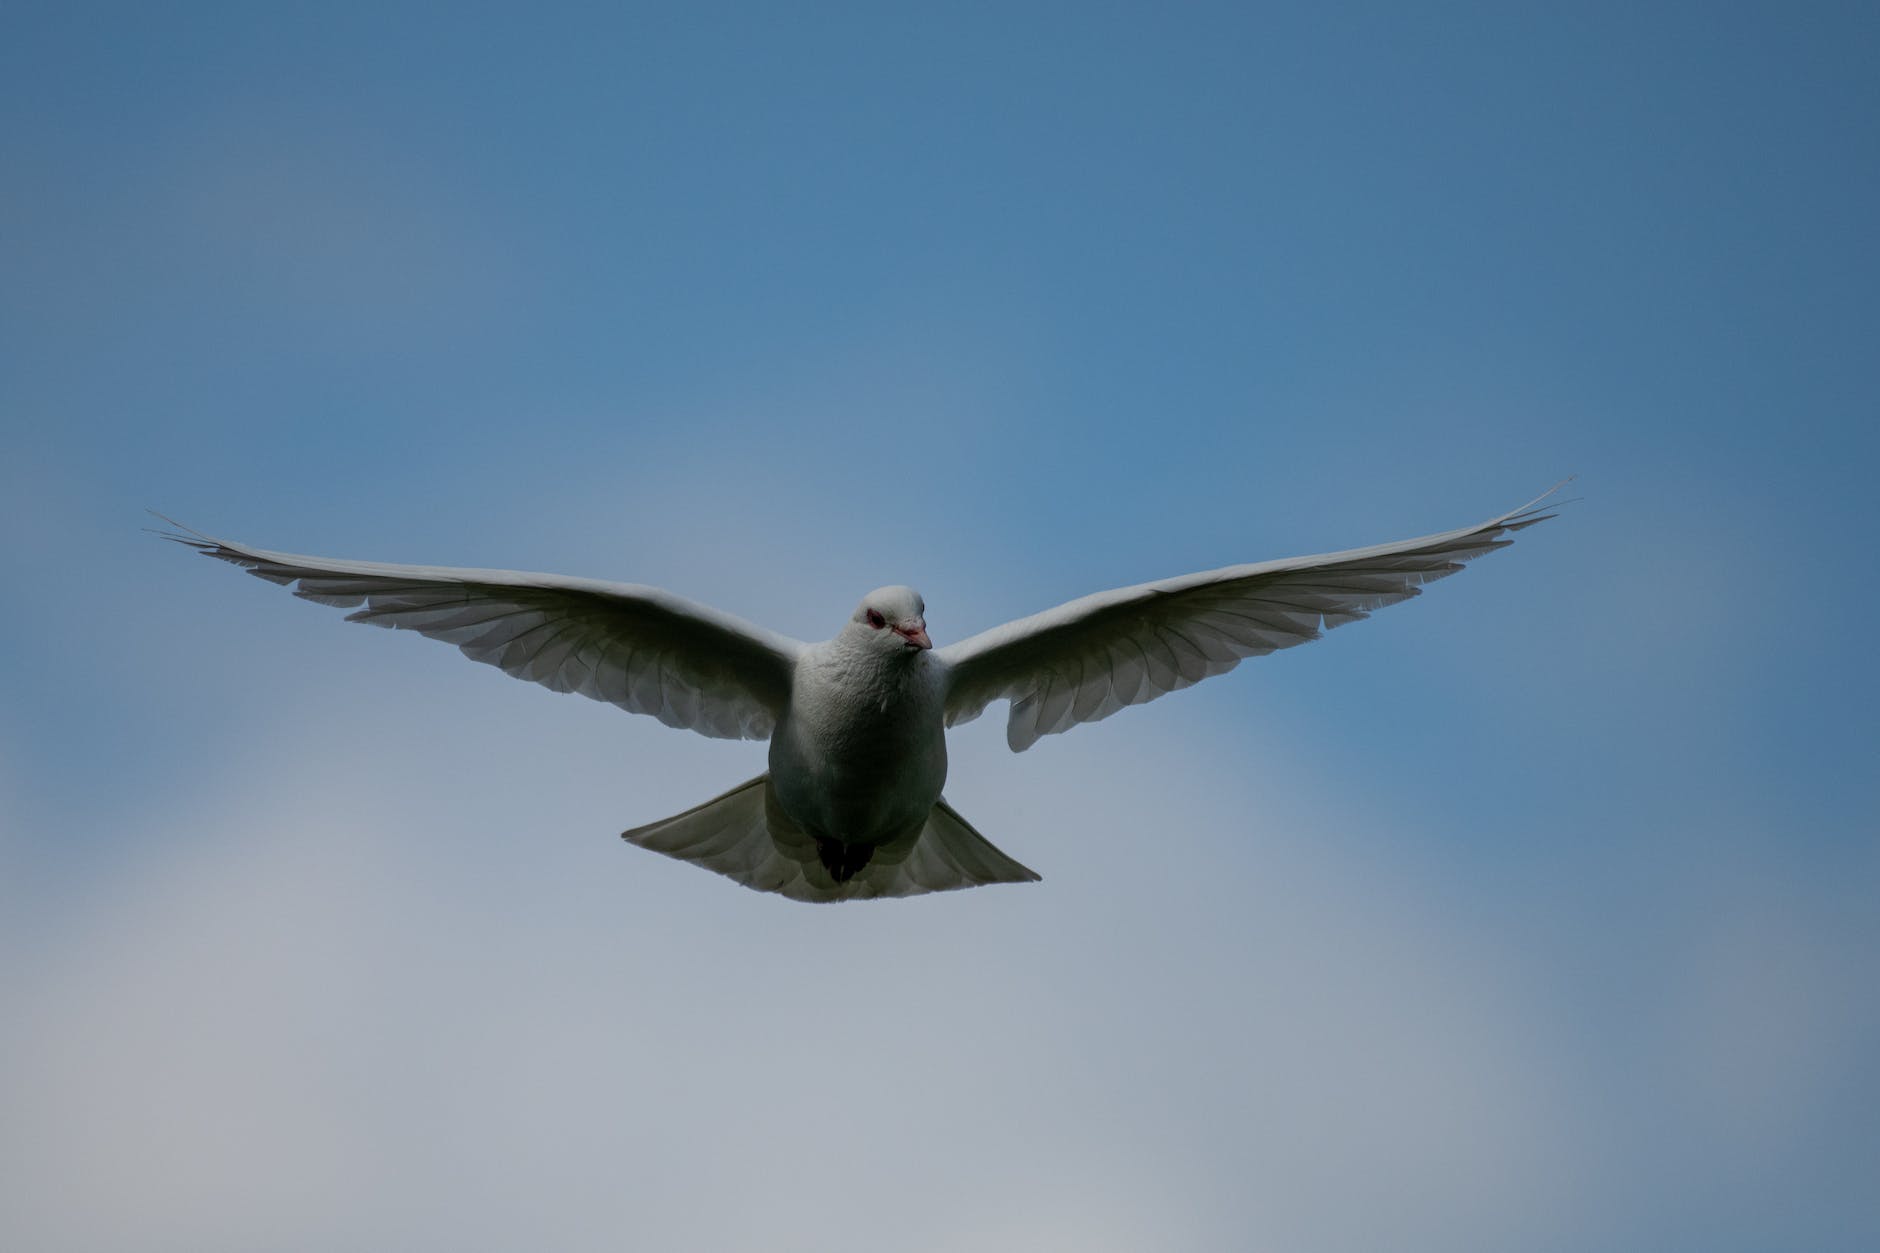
643 649
1085 660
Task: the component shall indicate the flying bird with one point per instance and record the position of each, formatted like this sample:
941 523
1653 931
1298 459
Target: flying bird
851 806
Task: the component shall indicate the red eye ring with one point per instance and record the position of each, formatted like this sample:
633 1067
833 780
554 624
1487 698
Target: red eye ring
876 620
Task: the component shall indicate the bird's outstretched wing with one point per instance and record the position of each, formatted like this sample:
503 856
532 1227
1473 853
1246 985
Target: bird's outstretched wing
1087 659
643 649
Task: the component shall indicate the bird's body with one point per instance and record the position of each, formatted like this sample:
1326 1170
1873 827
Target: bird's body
860 754
851 806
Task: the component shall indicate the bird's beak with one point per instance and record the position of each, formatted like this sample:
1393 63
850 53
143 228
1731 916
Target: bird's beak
914 631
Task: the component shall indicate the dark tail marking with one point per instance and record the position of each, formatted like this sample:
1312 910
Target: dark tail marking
842 861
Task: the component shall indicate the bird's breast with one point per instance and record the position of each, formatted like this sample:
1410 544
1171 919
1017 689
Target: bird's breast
860 757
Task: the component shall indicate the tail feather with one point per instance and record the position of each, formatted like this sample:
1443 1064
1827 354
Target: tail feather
951 854
744 835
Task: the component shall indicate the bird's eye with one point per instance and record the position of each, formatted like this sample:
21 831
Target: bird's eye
876 620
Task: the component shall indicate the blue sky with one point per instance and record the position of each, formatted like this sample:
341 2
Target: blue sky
1537 913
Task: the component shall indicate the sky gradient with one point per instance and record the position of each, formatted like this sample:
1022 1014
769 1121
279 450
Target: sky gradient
1536 913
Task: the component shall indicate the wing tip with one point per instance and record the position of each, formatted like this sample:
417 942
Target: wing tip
210 546
180 534
1534 511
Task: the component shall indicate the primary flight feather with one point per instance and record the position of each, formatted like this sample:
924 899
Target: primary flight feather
851 805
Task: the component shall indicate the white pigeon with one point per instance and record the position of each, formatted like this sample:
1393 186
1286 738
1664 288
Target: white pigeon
851 805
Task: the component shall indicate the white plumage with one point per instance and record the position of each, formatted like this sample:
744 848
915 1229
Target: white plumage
851 804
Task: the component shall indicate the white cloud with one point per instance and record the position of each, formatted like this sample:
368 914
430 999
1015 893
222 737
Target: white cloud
389 983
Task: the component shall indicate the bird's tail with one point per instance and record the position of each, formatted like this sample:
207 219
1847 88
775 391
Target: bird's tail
745 835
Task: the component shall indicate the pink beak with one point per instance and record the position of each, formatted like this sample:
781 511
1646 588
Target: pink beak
914 631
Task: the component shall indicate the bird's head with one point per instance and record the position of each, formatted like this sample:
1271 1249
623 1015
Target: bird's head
892 619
